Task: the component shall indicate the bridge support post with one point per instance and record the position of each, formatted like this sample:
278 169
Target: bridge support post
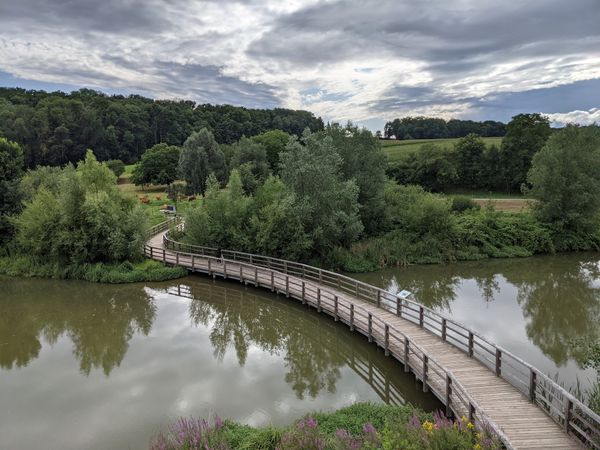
151 256
425 369
209 269
303 293
387 340
532 382
318 299
287 284
224 269
448 395
498 362
351 316
444 327
421 316
406 353
378 298
256 276
164 256
241 273
370 327
568 413
272 280
193 268
471 412
335 308
470 344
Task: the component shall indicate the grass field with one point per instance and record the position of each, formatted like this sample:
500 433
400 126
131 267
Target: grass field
394 150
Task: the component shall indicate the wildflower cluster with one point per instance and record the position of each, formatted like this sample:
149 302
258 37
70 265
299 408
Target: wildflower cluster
192 434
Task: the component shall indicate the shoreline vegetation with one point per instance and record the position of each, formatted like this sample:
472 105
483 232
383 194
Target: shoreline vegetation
362 426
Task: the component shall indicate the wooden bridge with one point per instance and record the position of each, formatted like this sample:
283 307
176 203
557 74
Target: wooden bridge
471 376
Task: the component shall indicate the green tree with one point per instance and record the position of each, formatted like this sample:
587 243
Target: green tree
274 142
525 135
364 162
328 205
116 165
469 156
158 165
565 179
199 158
250 159
11 170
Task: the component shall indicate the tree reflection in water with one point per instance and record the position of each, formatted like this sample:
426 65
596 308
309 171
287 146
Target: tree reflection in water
100 322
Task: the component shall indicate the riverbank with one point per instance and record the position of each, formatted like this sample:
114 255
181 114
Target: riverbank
125 272
360 426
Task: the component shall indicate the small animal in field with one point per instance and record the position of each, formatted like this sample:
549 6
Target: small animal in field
191 198
158 197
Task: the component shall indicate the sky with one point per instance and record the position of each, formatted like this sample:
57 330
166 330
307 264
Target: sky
367 61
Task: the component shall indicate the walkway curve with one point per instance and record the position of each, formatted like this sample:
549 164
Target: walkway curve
470 375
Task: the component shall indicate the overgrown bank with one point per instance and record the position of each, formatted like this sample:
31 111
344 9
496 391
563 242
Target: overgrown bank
360 426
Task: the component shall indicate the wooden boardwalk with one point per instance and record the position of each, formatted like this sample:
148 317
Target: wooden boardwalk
469 375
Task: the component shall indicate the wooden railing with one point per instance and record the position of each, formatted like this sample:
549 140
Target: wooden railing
566 410
167 224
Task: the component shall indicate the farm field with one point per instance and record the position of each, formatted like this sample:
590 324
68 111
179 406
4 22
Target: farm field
395 149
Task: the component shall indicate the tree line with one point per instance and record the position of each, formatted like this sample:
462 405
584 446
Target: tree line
57 128
470 164
435 128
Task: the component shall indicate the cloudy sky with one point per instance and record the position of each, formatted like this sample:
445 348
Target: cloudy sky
367 61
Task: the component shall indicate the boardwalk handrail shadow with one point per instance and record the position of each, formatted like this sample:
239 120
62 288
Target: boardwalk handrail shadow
571 414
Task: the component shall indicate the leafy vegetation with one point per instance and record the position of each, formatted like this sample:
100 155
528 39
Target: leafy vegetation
201 156
57 128
11 163
116 166
434 128
361 426
158 165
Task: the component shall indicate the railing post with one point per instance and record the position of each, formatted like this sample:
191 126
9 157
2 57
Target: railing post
250 259
224 269
256 276
272 281
471 412
241 273
444 326
318 299
498 362
335 308
303 293
406 353
378 298
568 411
320 276
448 395
209 269
151 253
193 268
470 343
387 340
287 285
421 313
177 258
425 368
285 267
351 316
370 327
164 256
532 382
398 307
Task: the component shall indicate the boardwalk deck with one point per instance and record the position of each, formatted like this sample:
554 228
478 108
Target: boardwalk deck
462 382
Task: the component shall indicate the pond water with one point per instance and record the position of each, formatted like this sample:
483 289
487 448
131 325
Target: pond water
534 307
104 367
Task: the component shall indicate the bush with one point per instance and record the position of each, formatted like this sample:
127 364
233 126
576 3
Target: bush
116 165
462 203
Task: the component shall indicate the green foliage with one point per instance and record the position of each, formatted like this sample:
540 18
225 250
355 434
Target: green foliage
56 128
116 166
469 154
462 203
11 170
158 165
432 167
565 179
86 220
46 177
116 273
328 205
274 142
250 158
364 162
526 134
199 158
435 128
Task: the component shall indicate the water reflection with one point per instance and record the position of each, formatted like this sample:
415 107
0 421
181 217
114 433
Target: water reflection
99 322
541 303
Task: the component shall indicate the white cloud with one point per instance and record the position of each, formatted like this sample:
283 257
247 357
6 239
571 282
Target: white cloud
577 117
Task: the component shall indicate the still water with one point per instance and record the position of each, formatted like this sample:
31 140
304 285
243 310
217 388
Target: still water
104 367
534 307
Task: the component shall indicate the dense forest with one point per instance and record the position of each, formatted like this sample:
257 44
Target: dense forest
57 128
435 128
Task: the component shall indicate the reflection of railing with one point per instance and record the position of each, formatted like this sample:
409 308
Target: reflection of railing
387 390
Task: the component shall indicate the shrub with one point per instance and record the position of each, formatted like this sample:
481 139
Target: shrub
461 203
116 165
